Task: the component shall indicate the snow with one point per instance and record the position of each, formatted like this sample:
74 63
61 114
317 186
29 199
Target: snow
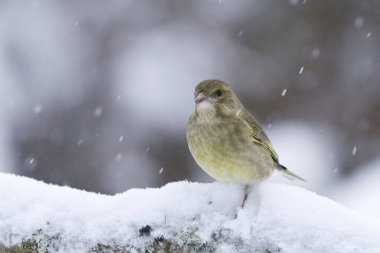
118 157
98 111
315 53
277 217
37 109
79 142
359 22
354 149
30 163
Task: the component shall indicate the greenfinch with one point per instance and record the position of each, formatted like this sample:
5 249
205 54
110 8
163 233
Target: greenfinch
226 141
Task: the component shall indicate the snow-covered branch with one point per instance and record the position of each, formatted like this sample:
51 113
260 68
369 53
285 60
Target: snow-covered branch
179 217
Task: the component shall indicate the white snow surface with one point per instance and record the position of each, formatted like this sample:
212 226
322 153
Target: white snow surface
292 218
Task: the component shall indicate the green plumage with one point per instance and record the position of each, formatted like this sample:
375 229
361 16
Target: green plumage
226 140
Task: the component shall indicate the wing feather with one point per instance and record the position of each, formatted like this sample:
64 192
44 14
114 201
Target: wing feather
259 136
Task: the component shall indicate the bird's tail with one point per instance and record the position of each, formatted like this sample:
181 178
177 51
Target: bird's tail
288 174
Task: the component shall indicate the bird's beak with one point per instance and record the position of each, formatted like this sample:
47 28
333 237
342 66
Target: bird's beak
200 97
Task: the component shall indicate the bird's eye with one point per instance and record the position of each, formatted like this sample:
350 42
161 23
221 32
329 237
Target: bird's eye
218 93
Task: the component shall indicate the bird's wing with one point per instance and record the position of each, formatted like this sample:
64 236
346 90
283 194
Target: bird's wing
259 136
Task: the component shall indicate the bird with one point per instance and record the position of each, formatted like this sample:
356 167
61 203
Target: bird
227 142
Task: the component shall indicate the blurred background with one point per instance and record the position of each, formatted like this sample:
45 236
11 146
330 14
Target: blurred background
96 94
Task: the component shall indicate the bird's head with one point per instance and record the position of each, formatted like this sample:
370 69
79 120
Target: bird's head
215 95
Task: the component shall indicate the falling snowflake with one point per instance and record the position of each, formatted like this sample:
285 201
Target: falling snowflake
37 109
98 111
79 142
30 163
315 53
359 22
118 157
354 151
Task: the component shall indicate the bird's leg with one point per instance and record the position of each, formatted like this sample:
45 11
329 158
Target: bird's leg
247 190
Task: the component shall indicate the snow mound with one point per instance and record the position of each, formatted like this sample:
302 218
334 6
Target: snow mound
180 216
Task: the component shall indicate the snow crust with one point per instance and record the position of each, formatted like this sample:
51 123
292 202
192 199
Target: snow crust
287 218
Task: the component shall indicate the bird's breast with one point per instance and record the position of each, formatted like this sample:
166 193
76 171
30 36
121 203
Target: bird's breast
223 148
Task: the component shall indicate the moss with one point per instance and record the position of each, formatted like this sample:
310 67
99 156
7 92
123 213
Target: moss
186 240
29 246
